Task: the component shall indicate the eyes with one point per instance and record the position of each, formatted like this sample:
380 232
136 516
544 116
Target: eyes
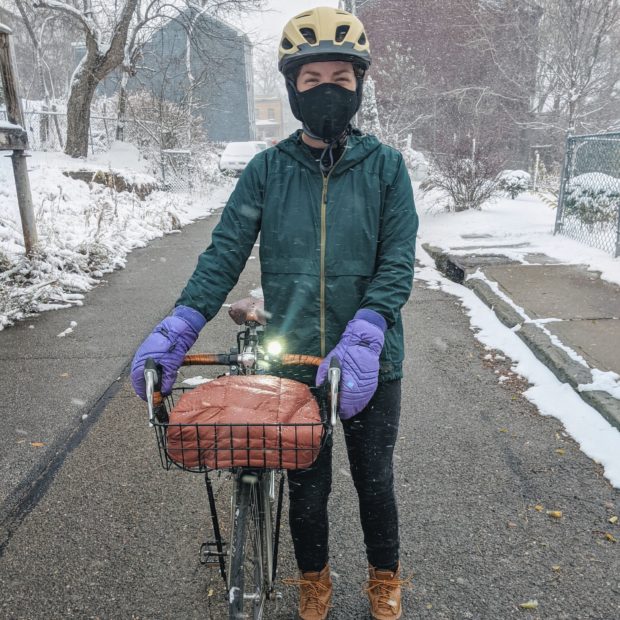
342 79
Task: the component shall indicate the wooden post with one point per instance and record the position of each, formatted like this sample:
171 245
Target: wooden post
17 139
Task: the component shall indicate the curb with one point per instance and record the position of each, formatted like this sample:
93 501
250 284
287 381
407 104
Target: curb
567 370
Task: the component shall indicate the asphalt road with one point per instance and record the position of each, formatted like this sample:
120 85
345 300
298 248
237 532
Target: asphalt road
113 535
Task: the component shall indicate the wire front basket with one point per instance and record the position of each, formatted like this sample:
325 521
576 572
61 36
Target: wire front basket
203 447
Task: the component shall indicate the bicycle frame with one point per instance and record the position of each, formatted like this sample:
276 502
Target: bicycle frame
254 490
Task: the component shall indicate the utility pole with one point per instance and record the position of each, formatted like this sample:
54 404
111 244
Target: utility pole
348 5
13 137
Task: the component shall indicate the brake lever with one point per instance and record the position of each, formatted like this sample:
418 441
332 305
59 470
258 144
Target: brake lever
333 376
152 380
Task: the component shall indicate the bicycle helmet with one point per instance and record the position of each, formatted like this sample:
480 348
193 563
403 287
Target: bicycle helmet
322 34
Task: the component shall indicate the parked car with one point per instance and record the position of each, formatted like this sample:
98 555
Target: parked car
236 155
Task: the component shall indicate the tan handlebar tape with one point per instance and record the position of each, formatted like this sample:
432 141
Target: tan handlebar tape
215 359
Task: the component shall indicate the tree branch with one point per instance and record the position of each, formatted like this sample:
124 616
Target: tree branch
116 51
56 5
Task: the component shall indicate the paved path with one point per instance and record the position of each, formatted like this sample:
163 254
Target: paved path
114 536
49 383
566 314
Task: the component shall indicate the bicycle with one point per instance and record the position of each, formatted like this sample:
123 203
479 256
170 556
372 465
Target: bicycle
253 550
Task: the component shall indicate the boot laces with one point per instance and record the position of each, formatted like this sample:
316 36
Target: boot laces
311 592
383 590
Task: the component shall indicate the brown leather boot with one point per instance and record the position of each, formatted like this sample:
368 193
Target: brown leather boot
315 594
384 593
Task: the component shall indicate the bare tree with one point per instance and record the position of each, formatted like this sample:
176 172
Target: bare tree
574 53
268 81
103 55
578 60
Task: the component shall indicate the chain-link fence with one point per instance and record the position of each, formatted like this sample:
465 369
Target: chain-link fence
47 131
589 203
177 169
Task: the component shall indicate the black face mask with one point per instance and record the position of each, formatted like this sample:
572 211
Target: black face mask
327 109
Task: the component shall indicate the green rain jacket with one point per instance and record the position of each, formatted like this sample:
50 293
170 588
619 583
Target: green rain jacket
328 245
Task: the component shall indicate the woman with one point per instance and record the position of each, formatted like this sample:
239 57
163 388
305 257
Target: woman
338 225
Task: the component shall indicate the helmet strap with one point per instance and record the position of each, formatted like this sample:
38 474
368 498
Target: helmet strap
327 161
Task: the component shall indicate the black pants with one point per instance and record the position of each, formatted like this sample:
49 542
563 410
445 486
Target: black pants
370 438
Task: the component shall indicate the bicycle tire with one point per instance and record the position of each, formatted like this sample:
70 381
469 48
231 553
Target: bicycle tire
247 593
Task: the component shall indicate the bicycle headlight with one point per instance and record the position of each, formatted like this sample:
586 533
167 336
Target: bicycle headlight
274 348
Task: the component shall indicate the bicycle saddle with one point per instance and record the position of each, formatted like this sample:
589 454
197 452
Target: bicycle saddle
248 309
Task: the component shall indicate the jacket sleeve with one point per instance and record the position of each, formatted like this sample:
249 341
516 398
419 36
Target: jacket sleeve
390 286
221 264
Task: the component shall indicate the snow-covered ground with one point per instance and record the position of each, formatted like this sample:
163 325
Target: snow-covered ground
84 229
526 222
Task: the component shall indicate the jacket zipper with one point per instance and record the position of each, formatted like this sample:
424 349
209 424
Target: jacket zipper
322 281
323 243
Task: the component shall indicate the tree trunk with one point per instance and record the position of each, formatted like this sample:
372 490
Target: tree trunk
78 110
95 65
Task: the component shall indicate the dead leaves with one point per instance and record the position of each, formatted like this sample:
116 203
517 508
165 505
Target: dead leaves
606 535
555 514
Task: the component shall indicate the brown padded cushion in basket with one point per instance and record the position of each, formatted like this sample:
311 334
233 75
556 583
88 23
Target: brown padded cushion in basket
250 402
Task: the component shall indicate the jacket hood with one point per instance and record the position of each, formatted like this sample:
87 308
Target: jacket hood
359 147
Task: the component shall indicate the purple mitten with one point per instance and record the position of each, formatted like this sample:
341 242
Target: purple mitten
167 345
358 351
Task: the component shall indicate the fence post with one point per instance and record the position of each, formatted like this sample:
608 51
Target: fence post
618 234
536 164
568 160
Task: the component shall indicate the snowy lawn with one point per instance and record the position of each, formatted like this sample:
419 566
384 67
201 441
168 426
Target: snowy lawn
527 222
85 230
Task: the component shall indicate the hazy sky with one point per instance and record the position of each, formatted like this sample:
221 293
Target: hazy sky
269 22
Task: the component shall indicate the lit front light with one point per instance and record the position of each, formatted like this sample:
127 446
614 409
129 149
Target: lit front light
274 348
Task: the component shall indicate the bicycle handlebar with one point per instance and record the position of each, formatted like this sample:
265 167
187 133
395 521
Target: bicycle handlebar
223 359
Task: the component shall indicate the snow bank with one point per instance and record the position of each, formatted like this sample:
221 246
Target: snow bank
85 230
123 159
595 182
7 125
514 175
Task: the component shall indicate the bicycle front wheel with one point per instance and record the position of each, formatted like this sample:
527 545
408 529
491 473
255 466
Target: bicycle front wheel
247 592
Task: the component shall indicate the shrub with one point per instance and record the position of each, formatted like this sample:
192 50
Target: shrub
593 198
467 183
513 182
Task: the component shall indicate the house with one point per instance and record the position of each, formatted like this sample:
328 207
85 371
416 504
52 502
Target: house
269 118
220 57
221 64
